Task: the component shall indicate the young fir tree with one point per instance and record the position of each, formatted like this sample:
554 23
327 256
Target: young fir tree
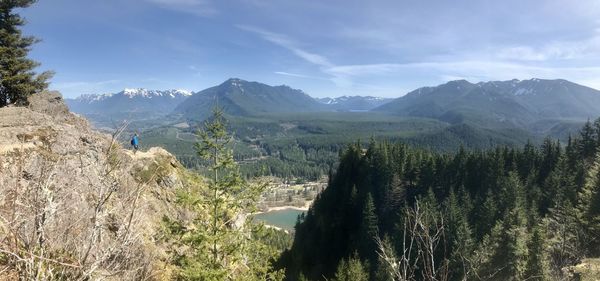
368 230
537 262
588 207
352 270
387 265
564 236
508 239
459 236
17 78
486 215
222 242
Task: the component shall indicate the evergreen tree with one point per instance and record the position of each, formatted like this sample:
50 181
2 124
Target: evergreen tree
351 270
589 208
17 77
368 230
564 236
385 270
507 249
394 198
487 215
509 237
222 241
537 263
587 141
459 238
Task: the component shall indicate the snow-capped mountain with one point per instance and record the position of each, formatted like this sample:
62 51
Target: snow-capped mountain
353 103
132 104
140 92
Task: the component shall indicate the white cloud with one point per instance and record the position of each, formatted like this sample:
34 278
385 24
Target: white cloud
297 75
588 48
521 53
285 42
364 69
521 62
75 88
202 8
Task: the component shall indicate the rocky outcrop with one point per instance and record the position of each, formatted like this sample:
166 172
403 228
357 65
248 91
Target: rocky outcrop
586 270
74 202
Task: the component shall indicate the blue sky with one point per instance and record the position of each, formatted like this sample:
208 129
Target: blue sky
326 48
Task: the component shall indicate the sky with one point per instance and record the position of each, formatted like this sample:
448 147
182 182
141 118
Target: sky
325 48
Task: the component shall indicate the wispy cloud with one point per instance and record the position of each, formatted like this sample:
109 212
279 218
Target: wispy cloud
588 48
75 88
324 64
298 75
508 63
202 8
79 84
285 42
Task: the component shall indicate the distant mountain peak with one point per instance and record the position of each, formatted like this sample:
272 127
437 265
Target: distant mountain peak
142 92
91 98
235 80
353 103
244 98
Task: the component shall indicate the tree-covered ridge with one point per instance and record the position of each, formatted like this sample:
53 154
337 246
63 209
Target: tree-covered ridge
499 103
502 214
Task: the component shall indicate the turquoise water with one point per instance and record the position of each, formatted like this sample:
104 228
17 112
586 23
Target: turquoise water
285 219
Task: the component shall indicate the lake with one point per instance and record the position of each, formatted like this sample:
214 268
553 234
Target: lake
285 219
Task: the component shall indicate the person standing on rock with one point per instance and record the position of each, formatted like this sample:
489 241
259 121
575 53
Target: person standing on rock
135 142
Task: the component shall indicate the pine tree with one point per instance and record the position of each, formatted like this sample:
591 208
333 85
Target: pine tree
352 270
487 215
588 207
368 230
507 249
459 238
587 140
17 78
393 200
537 263
564 236
386 268
509 237
222 241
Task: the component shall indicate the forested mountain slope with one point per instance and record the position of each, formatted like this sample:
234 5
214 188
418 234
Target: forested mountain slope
242 98
500 103
503 214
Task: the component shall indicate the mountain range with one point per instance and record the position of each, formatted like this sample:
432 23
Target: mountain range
236 96
536 105
136 104
504 103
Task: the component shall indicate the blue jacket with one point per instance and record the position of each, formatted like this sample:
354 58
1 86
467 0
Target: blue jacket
134 140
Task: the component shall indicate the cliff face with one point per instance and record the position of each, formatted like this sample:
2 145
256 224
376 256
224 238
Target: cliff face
74 203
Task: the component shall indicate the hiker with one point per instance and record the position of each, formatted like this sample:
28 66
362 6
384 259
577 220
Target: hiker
135 143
